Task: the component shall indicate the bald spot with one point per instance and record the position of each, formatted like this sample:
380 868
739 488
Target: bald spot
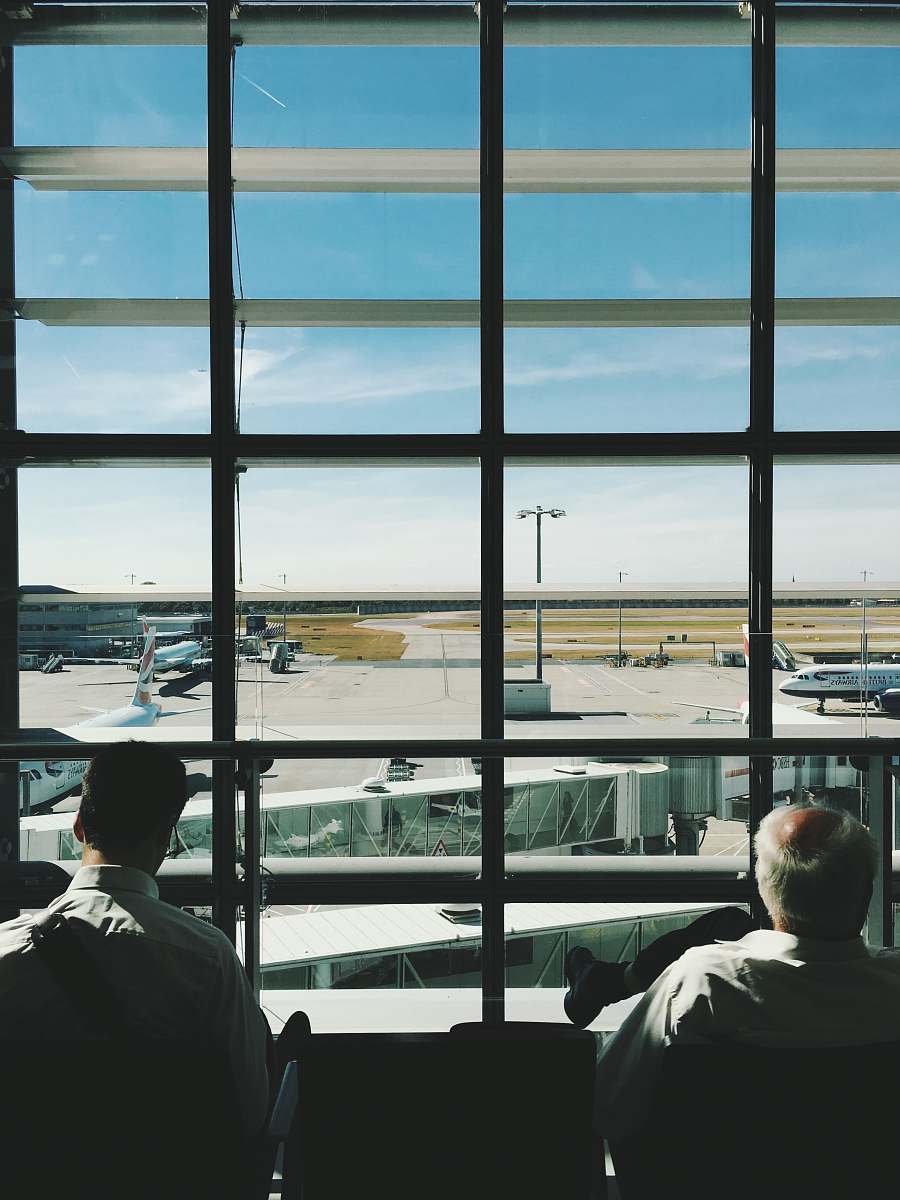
806 830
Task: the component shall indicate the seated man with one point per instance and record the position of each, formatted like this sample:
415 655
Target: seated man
169 974
808 981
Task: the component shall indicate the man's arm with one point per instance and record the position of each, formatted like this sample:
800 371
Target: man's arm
628 1065
241 1033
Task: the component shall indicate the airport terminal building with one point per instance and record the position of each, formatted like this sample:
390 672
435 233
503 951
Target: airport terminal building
468 435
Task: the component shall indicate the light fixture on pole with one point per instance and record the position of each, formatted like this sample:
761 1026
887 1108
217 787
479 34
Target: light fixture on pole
539 512
130 576
622 574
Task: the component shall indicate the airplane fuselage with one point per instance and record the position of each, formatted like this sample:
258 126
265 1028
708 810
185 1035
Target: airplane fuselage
177 657
845 682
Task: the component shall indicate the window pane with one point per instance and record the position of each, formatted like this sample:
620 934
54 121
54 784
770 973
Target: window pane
627 179
837 203
112 95
50 794
368 577
639 565
356 216
371 968
110 168
626 380
603 807
112 380
98 561
360 380
388 807
835 619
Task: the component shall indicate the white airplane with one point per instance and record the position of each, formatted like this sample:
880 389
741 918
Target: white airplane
177 657
180 656
878 682
49 781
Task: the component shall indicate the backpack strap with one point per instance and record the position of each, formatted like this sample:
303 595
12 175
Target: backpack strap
76 973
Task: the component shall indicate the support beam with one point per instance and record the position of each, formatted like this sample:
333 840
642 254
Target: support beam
544 172
441 25
222 427
460 314
9 556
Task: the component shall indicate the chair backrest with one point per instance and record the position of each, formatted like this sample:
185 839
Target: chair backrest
747 1121
448 1116
104 1119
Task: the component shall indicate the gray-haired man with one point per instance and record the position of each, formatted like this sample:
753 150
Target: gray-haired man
810 980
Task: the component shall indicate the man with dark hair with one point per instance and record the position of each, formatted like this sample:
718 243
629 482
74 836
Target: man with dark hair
155 784
168 974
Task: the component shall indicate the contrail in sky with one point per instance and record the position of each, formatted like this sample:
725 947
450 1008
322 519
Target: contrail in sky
263 90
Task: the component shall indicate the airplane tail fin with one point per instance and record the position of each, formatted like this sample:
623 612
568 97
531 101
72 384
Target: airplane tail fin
145 670
745 629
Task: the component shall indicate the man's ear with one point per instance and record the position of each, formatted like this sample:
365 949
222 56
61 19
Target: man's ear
78 827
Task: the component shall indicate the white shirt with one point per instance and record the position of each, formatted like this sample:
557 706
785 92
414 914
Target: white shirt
768 988
176 976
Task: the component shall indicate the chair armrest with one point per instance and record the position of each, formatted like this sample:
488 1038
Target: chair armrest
285 1106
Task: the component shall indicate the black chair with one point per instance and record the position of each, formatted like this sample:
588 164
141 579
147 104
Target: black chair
540 1086
112 1120
773 1124
457 1116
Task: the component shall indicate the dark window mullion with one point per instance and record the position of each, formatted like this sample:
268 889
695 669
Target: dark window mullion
222 421
762 406
9 549
491 256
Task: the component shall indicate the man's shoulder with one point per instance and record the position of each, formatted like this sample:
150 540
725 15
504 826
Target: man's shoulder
185 928
703 970
15 935
713 959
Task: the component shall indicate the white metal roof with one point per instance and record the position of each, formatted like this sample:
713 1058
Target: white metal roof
292 939
467 596
354 794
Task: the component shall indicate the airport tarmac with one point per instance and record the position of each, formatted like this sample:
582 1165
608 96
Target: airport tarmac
320 699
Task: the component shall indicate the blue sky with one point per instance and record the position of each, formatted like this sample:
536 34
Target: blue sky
363 380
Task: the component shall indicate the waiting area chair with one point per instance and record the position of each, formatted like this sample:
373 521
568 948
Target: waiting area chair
744 1122
119 1120
480 1112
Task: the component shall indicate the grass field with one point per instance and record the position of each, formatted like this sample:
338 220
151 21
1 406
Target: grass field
593 633
342 636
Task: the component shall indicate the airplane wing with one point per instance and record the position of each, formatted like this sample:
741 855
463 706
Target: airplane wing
788 714
710 707
102 662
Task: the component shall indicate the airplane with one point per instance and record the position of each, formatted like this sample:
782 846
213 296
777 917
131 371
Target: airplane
179 656
878 682
48 782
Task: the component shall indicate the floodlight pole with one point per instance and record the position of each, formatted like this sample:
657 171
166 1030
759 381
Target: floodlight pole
538 623
539 513
619 659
